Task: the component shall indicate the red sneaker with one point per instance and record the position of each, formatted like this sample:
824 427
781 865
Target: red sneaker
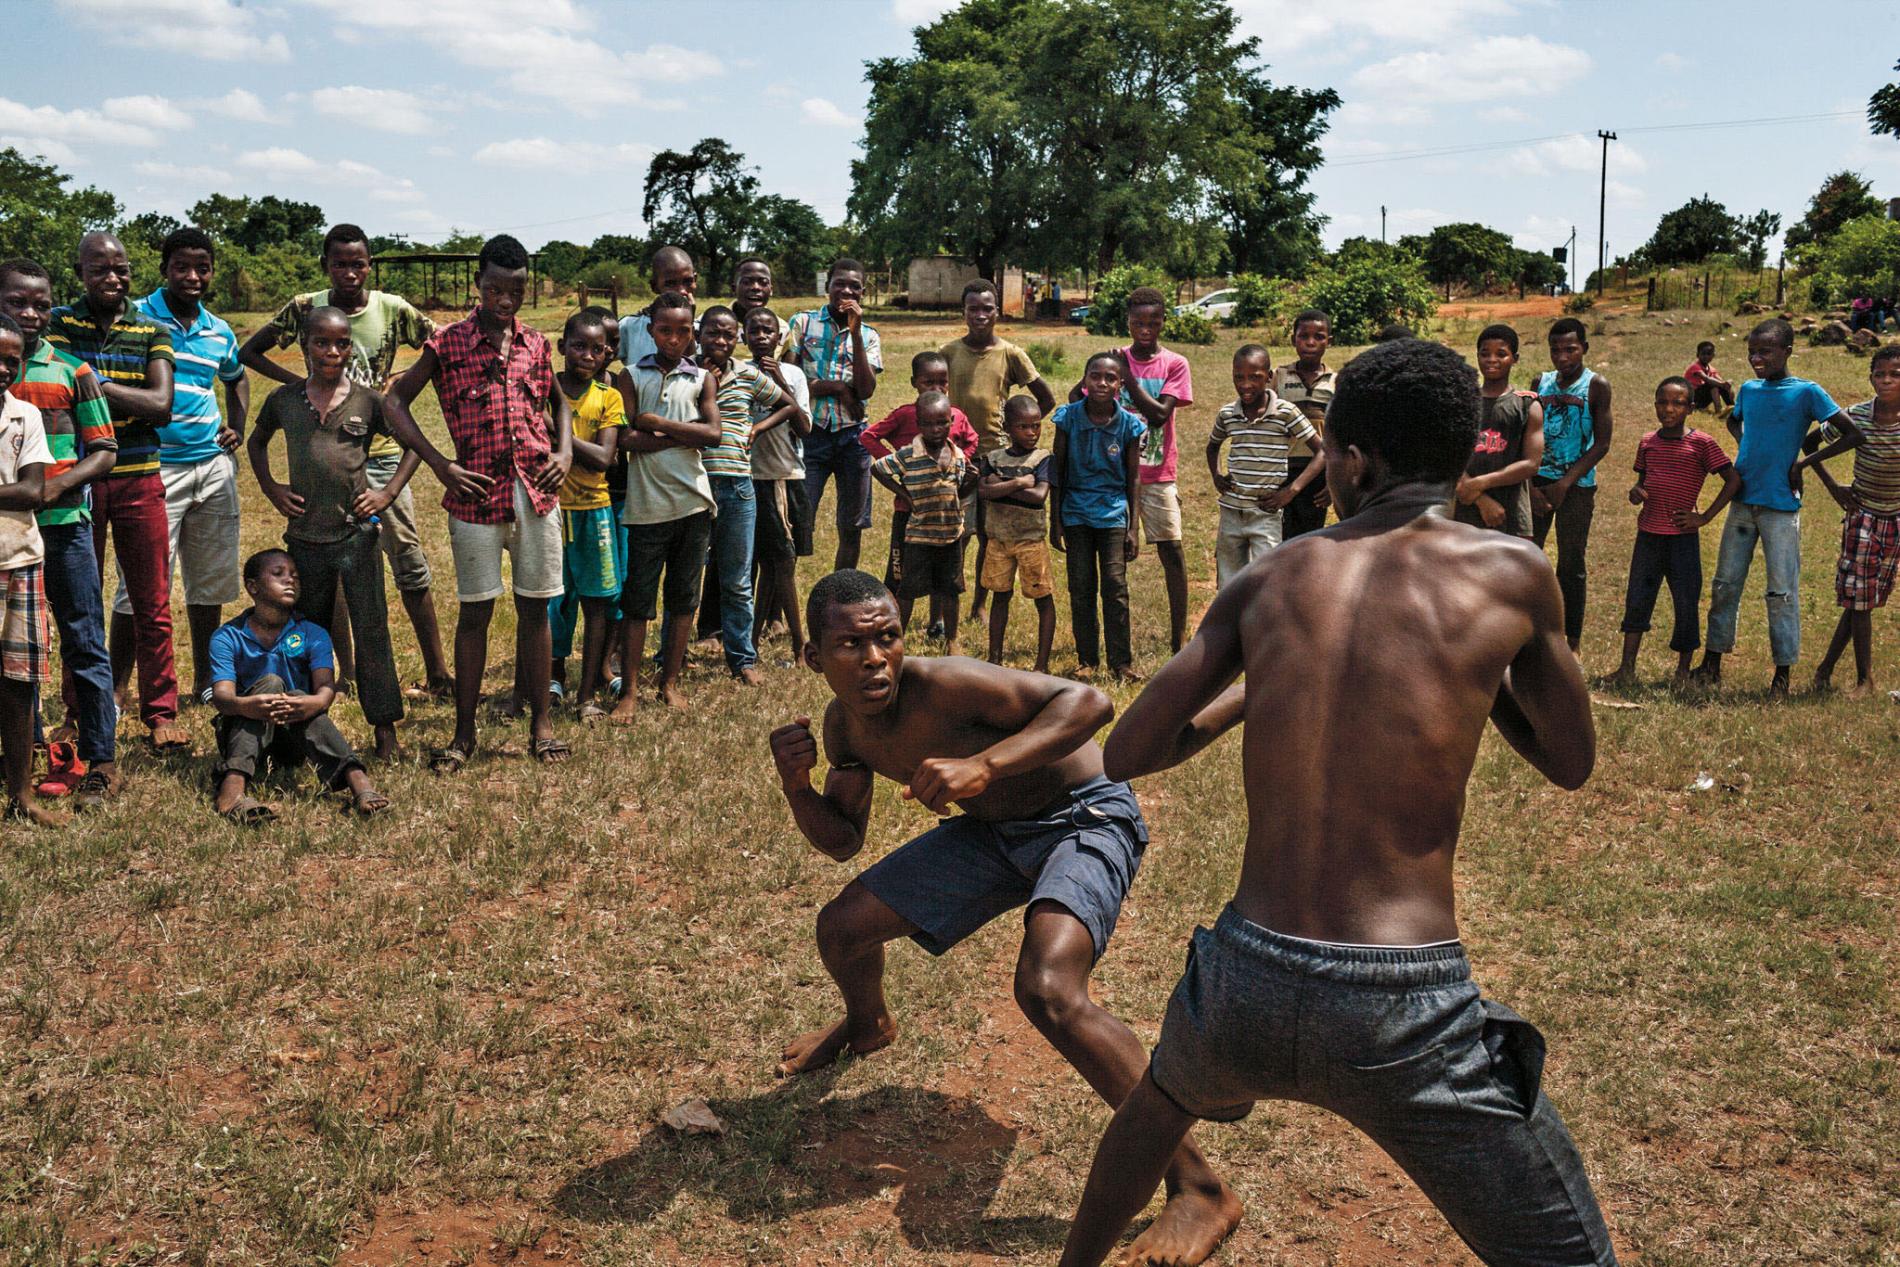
64 769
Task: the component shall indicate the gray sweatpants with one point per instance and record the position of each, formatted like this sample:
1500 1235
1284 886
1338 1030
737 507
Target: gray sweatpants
1399 1043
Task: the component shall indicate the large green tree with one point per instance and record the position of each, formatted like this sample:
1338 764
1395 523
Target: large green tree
702 199
1756 230
1692 232
1842 197
1883 109
1082 132
1468 254
793 237
257 224
41 218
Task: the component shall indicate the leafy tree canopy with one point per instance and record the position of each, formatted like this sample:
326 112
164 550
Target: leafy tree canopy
1842 197
1693 232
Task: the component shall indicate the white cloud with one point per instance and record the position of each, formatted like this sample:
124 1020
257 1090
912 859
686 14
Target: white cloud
551 50
824 114
546 152
57 153
921 12
1572 154
279 161
1540 233
147 110
51 125
406 194
1672 61
1367 115
1289 24
237 106
379 109
184 173
222 30
1495 68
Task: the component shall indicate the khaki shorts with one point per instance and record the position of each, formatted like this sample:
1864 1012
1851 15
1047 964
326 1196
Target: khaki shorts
1002 559
1160 512
533 541
401 539
201 511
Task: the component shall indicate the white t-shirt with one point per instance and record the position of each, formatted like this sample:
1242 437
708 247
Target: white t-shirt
22 443
779 454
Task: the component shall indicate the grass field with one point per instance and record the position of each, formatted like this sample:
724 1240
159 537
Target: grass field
449 1036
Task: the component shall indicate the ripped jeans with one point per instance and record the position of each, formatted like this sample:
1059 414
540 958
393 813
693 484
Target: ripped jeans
1779 532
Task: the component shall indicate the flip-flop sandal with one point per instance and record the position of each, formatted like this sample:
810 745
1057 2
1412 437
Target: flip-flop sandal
369 804
592 713
449 760
179 741
556 693
204 696
550 751
250 812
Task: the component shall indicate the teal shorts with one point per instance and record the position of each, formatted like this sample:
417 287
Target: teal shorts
595 554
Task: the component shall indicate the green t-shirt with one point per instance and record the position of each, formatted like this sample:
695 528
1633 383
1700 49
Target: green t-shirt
386 322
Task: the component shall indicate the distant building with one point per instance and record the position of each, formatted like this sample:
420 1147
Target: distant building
937 281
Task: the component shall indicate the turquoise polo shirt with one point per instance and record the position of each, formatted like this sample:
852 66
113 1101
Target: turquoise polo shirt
207 354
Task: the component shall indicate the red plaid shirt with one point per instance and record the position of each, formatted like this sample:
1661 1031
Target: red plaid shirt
496 414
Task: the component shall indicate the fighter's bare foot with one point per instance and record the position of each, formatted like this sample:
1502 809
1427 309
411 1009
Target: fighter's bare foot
822 1047
1622 679
1190 1228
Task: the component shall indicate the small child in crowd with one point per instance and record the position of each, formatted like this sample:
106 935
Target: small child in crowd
929 372
25 632
1495 491
1014 484
594 550
782 534
1772 418
332 515
674 415
1671 464
1703 380
272 684
933 475
1094 489
1308 386
1255 490
1870 534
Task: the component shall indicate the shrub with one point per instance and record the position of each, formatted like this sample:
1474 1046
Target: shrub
1581 302
253 281
1049 361
1108 308
602 274
1188 327
1261 299
1369 291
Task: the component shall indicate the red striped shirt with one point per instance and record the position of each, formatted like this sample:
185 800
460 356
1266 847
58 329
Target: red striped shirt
1673 472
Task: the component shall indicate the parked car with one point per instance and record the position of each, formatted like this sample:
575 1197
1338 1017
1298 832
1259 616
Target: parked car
1078 314
1216 307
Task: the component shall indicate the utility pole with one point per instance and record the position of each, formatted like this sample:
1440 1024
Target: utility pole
1381 222
1603 201
1572 253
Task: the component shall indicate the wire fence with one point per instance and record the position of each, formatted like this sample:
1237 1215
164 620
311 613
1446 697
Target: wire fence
1722 289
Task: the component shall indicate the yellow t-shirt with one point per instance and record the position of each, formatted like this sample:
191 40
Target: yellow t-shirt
598 408
980 381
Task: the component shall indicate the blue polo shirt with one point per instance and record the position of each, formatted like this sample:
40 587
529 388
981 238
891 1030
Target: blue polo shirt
239 658
207 353
1095 474
1775 414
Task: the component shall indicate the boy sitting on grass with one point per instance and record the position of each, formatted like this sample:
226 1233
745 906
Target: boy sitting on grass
1671 463
1014 482
25 632
331 513
1495 490
272 684
593 553
1374 652
1703 380
1041 829
933 476
1870 534
1255 489
929 372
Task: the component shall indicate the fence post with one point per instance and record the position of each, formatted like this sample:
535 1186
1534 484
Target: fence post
1649 301
1705 288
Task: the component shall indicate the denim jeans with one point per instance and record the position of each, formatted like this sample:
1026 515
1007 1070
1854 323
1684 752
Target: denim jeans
73 592
1779 532
829 453
1399 1042
734 526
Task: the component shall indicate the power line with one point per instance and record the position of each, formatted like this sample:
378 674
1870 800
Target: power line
1447 151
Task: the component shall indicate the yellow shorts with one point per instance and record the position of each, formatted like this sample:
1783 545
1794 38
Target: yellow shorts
1001 560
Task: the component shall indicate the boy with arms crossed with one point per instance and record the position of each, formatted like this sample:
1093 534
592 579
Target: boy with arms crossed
1495 490
929 372
1041 828
841 358
783 531
495 382
1014 481
1334 976
1308 385
1577 432
379 324
932 475
1870 534
593 554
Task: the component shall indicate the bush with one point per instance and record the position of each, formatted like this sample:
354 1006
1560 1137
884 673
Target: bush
1861 258
1261 300
1188 327
1369 291
1581 302
602 274
1049 361
256 281
1108 309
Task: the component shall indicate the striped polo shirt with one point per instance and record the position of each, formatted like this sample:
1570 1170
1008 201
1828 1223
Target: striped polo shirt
207 354
1257 462
118 351
936 512
73 410
1673 471
743 387
1876 461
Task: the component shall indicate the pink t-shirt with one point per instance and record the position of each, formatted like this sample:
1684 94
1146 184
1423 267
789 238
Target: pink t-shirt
1167 374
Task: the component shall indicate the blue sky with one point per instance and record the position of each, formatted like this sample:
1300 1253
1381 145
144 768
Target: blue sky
415 116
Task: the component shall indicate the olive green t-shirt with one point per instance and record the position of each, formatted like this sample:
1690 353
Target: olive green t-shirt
980 381
327 456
